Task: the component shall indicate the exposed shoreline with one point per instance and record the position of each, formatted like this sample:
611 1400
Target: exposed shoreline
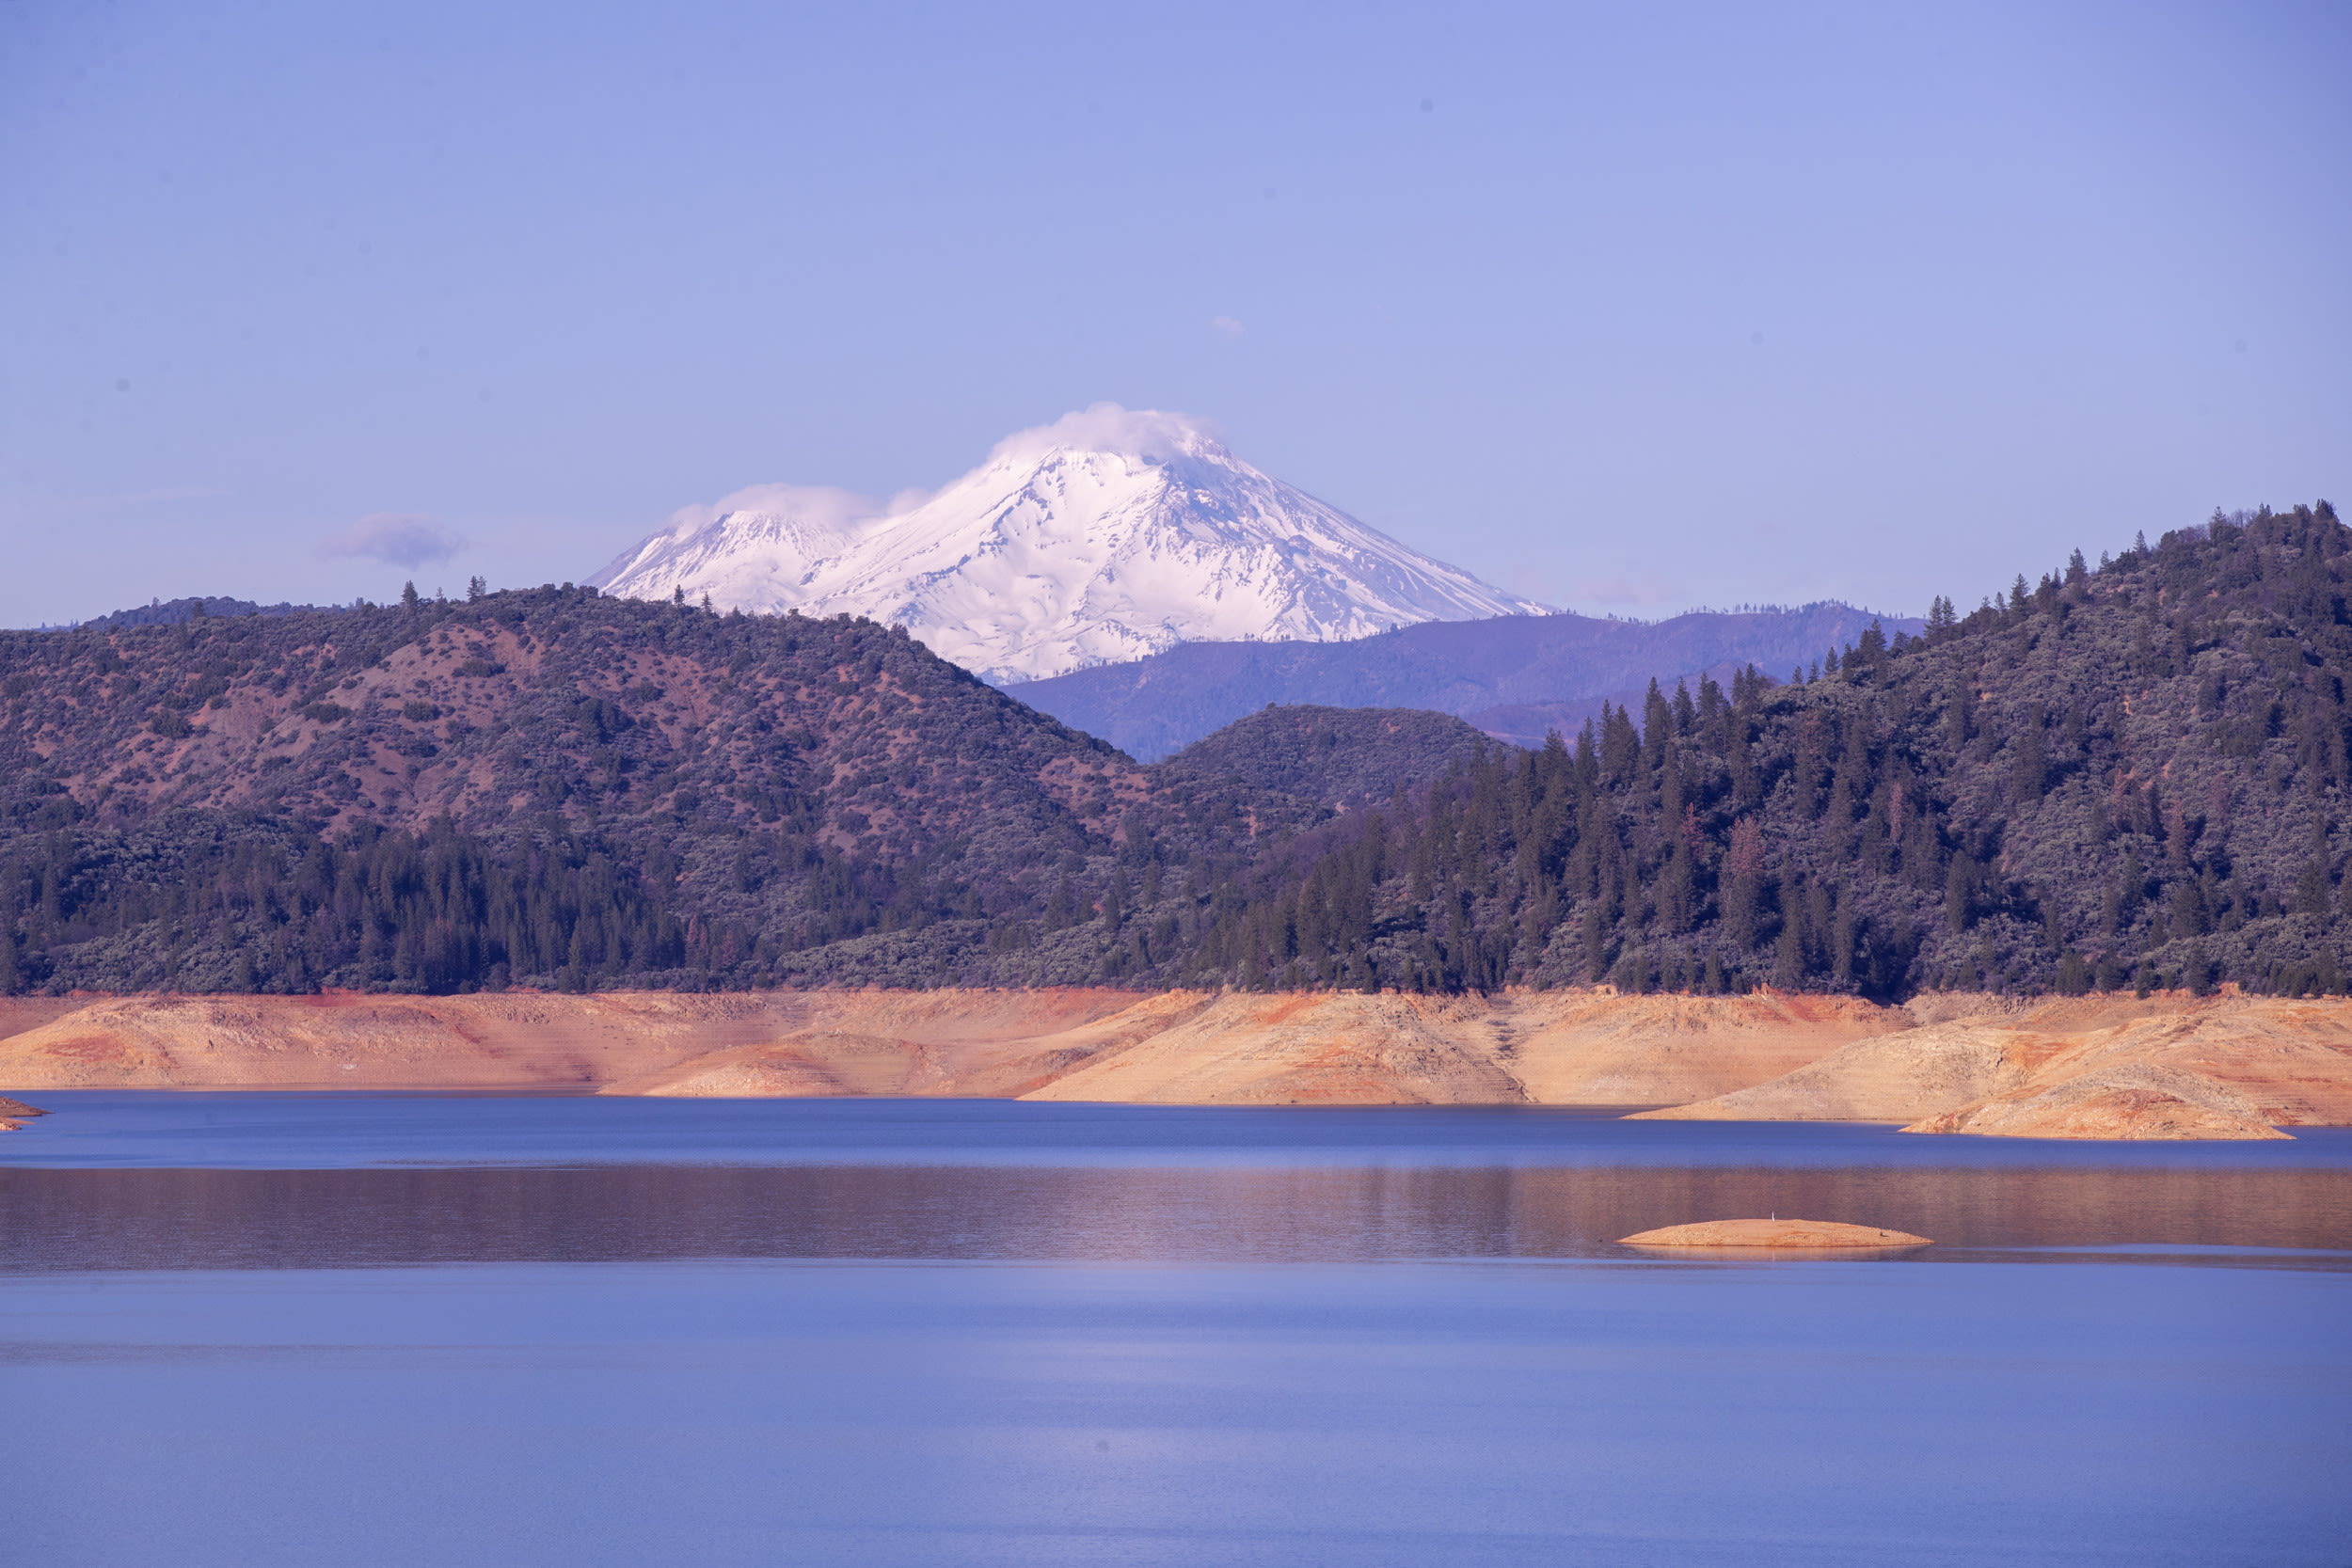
2099 1066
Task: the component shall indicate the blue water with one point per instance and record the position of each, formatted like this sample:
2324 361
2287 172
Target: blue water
273 1329
129 1130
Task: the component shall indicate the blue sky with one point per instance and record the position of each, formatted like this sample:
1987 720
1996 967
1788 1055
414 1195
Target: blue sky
1626 307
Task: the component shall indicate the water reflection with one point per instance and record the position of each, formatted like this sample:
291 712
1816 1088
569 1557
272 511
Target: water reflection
243 1219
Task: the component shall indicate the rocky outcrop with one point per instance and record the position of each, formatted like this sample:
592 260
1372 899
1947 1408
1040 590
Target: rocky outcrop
2134 1101
1888 1078
2159 1067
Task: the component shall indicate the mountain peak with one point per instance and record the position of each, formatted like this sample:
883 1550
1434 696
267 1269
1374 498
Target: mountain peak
1107 536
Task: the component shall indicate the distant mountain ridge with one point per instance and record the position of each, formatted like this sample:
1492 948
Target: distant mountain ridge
1106 536
1516 678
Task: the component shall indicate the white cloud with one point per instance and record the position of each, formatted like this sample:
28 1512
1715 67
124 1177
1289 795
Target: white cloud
397 539
826 519
1225 327
820 519
820 508
1148 433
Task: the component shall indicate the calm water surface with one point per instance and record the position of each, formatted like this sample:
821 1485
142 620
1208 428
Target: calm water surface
396 1329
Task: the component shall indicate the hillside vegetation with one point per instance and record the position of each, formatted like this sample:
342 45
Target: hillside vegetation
554 787
2127 777
1334 756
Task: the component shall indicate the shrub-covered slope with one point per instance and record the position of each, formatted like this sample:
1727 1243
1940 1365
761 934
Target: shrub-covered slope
561 788
2132 776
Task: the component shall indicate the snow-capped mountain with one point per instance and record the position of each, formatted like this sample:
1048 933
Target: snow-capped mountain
1102 537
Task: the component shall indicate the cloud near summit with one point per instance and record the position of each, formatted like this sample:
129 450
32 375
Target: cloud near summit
1149 433
826 508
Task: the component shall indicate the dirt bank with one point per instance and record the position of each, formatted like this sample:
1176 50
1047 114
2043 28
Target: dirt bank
2160 1066
527 1041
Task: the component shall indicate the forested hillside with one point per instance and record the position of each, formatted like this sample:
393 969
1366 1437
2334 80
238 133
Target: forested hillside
1333 756
2128 776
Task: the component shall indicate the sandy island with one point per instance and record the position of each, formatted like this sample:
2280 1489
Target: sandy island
2100 1066
1777 1235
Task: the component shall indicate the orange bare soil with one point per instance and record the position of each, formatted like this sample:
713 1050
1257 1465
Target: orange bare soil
1171 1047
2164 1067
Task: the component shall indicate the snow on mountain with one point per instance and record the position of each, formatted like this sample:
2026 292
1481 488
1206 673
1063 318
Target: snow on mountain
1105 536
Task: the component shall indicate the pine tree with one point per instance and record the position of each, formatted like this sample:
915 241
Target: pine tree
1959 893
2311 889
1844 927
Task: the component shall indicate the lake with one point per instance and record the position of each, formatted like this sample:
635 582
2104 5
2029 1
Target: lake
454 1329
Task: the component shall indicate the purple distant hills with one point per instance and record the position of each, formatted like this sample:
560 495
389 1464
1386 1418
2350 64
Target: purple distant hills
1516 678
